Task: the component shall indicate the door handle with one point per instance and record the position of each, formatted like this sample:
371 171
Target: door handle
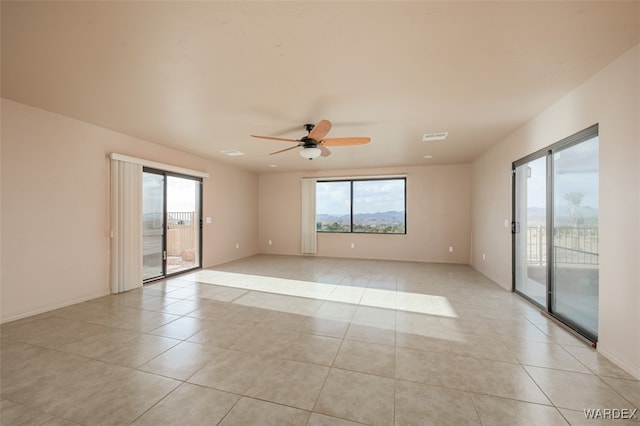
515 227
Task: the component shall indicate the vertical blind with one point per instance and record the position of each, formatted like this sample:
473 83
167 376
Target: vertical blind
126 226
309 240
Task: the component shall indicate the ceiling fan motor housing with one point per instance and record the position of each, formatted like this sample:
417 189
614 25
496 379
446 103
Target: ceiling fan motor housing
307 142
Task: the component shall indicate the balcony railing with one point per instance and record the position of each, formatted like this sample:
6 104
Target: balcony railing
571 245
181 231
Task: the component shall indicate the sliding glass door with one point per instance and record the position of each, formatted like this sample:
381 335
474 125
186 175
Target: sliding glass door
575 235
183 224
530 229
555 230
171 223
153 198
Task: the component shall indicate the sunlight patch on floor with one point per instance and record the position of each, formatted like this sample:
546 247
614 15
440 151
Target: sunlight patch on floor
379 298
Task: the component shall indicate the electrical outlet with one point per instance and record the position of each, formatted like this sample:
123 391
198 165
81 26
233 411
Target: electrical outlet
484 256
353 245
237 245
270 242
450 249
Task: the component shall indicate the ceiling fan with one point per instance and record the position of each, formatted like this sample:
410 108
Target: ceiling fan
315 144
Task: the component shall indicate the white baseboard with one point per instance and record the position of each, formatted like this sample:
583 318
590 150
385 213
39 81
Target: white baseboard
609 353
47 308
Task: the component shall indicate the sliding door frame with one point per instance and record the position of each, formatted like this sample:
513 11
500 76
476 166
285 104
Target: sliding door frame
575 139
515 224
164 224
199 225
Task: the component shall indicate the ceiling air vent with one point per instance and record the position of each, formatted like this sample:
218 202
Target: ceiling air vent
430 137
232 152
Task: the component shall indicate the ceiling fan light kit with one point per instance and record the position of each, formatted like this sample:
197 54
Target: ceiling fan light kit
310 153
314 144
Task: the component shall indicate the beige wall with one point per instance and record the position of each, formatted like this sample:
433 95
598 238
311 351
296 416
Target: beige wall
231 200
55 208
438 216
610 98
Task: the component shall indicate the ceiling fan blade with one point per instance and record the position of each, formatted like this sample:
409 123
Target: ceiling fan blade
283 150
325 150
271 138
320 130
345 141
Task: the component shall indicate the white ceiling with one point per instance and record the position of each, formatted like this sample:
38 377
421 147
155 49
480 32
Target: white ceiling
203 76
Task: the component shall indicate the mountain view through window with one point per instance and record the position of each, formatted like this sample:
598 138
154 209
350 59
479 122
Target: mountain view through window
361 206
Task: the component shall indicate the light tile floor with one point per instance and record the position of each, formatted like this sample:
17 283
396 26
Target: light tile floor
289 340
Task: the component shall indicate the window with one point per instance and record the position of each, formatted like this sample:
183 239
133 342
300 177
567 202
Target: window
376 206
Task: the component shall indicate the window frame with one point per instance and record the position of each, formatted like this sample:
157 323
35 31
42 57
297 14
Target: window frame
351 181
